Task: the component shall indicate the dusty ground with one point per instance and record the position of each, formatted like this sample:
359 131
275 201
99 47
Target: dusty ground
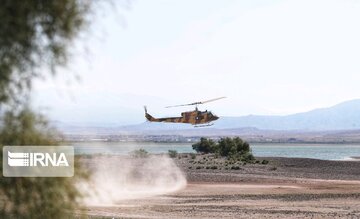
284 188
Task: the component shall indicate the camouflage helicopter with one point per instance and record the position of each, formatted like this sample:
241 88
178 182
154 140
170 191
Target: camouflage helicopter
197 118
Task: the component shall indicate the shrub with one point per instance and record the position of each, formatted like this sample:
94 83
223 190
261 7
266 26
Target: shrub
193 156
172 153
141 153
226 147
248 157
213 167
235 149
205 146
265 162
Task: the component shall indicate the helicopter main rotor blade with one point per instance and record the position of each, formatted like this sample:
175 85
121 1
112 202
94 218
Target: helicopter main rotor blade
196 103
211 100
180 105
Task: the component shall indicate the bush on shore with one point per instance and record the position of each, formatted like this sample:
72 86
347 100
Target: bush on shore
205 146
172 153
140 153
233 148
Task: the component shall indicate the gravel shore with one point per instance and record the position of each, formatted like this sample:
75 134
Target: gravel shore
276 168
282 188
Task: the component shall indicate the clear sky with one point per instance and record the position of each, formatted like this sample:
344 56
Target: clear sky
267 57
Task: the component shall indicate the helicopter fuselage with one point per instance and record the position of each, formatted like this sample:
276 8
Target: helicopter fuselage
193 117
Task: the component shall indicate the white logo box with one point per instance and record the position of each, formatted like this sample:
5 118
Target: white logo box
38 161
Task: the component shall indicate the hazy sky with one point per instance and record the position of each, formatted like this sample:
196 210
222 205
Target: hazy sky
267 57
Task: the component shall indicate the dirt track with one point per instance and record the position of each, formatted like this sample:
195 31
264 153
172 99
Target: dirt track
254 191
311 199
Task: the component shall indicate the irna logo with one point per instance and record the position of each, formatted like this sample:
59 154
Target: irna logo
38 161
17 159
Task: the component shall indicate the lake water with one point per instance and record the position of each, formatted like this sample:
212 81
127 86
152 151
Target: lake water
318 151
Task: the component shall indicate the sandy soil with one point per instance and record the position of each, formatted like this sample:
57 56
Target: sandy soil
284 188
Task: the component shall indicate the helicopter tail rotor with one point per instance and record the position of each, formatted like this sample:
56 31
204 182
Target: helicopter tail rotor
145 109
148 116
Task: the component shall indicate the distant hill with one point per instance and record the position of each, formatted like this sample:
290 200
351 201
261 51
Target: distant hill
343 116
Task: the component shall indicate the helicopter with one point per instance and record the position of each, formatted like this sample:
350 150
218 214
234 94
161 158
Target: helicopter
196 117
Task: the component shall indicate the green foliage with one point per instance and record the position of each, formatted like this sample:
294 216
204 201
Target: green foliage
173 153
265 162
141 153
33 35
35 197
193 156
205 146
233 148
248 157
26 128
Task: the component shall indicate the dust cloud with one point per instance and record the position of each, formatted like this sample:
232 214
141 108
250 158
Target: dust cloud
116 178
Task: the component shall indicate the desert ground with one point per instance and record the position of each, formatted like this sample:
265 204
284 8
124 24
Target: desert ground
283 188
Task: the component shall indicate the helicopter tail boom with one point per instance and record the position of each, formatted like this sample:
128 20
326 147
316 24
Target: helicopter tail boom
167 119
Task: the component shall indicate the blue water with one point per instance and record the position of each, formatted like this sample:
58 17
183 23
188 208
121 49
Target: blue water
318 151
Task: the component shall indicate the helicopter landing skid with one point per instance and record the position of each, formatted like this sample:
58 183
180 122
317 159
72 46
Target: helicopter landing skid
206 125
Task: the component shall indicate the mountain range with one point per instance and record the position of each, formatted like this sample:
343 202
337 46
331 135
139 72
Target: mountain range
343 116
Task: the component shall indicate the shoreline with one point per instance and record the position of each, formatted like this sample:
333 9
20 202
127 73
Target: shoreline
320 151
192 142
